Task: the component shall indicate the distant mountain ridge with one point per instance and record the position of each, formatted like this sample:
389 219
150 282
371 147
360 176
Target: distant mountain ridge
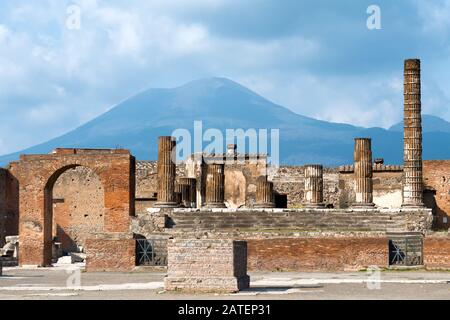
220 103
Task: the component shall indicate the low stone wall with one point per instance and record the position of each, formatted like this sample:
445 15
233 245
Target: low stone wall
207 265
297 220
111 252
317 254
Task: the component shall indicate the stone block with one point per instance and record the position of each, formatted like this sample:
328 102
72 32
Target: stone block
207 265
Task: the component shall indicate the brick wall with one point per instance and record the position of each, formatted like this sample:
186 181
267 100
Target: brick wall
213 265
436 251
9 205
78 207
317 254
114 254
437 179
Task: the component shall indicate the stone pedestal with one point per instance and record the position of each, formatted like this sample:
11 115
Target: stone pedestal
313 186
166 173
412 183
207 265
363 173
215 185
264 193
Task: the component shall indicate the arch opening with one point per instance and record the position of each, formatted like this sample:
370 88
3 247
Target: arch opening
74 210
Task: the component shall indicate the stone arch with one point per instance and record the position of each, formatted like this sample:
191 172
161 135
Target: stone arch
37 175
77 206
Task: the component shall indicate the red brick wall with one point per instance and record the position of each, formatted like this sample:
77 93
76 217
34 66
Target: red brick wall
110 255
436 253
436 176
316 254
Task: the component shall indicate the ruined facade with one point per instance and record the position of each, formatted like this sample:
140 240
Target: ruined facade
104 203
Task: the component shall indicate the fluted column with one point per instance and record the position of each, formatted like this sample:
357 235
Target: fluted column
412 143
313 186
166 173
363 173
189 193
215 185
264 193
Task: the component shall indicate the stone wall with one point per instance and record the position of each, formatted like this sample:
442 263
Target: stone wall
206 265
290 180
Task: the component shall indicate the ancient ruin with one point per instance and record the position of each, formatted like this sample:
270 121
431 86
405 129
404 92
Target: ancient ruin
212 216
314 186
412 185
363 173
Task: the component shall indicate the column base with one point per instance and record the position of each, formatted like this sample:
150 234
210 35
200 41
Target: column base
166 205
215 205
413 206
314 205
207 284
264 205
363 206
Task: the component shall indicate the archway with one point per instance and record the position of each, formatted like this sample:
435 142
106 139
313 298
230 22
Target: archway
37 175
77 208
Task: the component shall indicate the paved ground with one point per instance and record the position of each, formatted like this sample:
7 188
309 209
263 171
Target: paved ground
61 283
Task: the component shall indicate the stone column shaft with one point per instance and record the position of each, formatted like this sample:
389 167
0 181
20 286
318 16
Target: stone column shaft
189 193
166 173
264 193
313 186
412 152
363 173
215 185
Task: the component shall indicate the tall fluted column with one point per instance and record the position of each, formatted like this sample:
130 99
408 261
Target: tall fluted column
264 193
313 186
189 193
412 148
215 185
166 173
363 173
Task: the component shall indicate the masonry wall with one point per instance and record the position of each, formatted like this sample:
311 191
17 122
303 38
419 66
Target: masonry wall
110 254
9 205
317 254
78 207
437 181
212 265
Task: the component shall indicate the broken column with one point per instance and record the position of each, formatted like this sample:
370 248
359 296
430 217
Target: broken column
363 173
264 193
412 148
166 173
313 186
215 185
189 193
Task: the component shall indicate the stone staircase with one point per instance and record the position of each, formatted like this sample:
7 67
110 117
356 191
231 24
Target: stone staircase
320 221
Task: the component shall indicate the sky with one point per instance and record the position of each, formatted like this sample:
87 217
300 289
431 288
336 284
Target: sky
63 63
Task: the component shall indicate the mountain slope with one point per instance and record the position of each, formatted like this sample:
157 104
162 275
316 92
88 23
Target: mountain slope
429 124
223 104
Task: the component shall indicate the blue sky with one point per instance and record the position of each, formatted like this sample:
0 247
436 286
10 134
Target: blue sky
317 58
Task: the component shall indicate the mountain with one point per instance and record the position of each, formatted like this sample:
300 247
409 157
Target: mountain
220 103
429 124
